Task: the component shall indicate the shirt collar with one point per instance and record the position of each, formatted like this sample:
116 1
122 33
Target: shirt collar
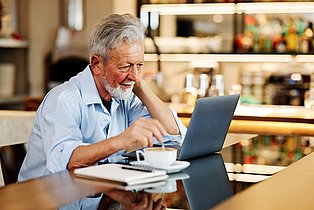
89 90
90 94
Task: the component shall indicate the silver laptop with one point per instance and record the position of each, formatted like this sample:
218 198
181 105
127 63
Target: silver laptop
208 126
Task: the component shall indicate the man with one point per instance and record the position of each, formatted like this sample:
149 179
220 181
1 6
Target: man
104 111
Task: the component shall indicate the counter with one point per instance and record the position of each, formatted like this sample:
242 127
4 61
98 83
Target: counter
263 119
15 126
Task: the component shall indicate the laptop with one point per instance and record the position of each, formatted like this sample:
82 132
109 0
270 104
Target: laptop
208 126
207 129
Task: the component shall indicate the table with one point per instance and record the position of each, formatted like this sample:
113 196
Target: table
288 189
58 189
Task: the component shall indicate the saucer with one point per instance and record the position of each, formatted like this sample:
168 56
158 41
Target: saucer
175 167
170 185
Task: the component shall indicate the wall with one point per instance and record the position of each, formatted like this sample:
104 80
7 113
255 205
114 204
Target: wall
42 24
39 21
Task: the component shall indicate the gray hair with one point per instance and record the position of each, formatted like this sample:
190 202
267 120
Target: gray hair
112 31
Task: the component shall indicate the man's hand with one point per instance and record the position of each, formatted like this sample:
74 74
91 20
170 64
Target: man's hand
135 200
139 85
140 134
157 108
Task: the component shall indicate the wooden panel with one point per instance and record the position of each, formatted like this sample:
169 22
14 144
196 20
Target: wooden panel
290 189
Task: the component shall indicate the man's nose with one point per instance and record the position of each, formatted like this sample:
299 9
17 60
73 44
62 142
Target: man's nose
134 72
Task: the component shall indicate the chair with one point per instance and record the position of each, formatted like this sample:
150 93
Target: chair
11 158
32 103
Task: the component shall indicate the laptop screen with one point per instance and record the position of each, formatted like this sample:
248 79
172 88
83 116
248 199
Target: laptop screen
208 127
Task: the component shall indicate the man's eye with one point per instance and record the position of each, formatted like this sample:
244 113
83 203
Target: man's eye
140 66
125 68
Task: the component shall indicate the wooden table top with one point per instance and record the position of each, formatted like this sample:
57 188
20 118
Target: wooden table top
56 190
49 192
290 188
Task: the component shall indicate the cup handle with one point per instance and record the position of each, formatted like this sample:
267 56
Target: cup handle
138 152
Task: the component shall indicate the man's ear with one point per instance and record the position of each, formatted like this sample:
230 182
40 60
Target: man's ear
96 64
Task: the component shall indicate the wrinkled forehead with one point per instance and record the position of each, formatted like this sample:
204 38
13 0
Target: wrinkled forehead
131 52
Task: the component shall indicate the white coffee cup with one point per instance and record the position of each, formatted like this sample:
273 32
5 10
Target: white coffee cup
158 156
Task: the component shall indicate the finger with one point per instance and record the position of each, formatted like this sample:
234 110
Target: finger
150 128
157 129
147 138
150 201
160 127
158 205
144 201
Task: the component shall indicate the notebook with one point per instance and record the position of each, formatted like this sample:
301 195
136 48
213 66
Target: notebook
208 126
120 173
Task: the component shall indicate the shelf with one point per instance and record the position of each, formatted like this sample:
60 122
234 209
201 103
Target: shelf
12 100
286 58
190 9
229 8
275 7
12 43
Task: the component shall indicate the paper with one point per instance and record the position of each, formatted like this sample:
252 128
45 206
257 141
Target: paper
115 172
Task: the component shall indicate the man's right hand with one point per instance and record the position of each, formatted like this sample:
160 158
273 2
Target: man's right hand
140 134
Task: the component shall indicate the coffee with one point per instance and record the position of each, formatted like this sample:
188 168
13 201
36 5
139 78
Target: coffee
159 149
158 156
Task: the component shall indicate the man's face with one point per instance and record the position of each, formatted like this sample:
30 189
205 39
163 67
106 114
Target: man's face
123 70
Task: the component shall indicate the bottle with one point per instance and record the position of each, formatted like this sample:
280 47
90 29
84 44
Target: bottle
189 94
212 91
292 38
309 95
218 81
308 36
217 86
203 86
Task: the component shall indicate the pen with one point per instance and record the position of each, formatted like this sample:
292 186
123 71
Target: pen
136 169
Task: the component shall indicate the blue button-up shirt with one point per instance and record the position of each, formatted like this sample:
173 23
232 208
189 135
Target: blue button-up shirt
71 115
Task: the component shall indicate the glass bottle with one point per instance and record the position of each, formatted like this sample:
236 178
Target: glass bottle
309 34
217 85
189 94
292 38
203 86
212 90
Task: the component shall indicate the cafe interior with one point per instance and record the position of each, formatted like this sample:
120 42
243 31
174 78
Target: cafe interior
262 50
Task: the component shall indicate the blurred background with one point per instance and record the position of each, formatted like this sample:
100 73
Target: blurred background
264 54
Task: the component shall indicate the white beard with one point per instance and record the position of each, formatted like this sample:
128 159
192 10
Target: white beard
118 92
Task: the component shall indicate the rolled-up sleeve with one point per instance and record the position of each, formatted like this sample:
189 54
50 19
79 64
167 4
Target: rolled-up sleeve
177 138
61 133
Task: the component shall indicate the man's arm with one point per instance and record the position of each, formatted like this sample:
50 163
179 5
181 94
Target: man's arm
138 135
157 108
